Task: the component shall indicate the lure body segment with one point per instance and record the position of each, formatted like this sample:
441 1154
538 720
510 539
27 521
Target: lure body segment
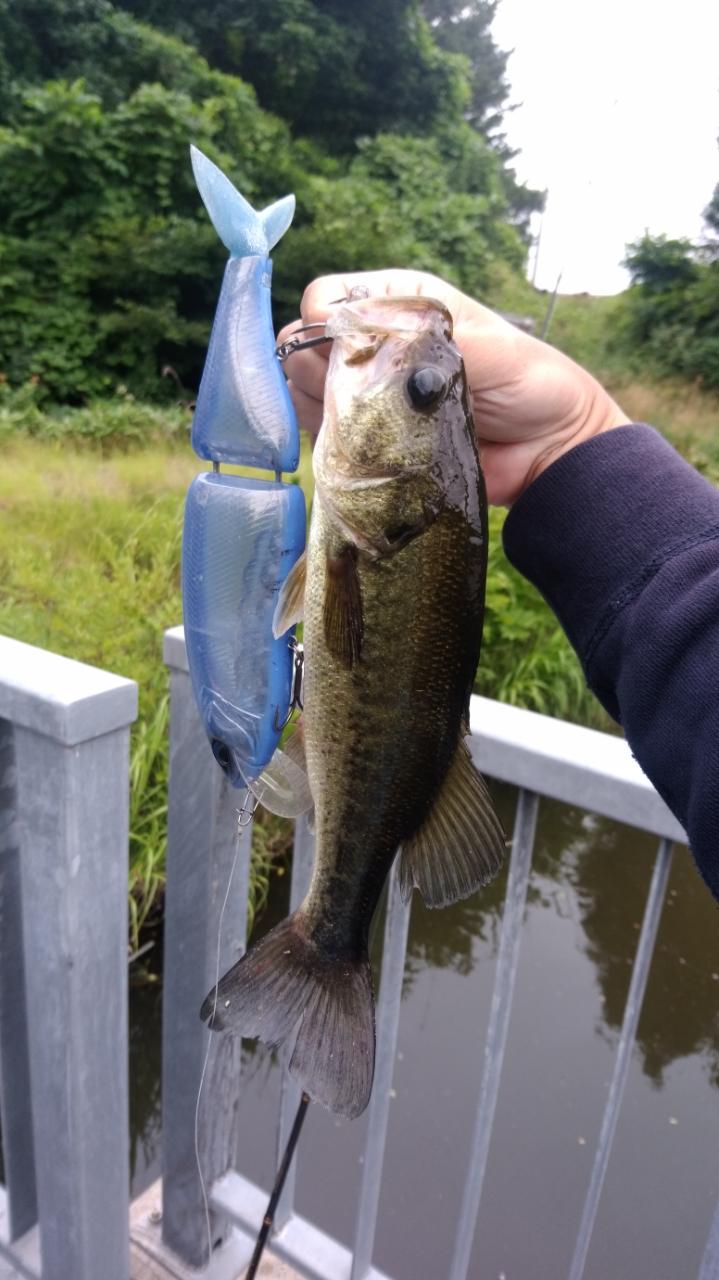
244 412
241 537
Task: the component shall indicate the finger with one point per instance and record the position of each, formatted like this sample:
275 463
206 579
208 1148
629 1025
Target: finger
320 296
308 370
308 410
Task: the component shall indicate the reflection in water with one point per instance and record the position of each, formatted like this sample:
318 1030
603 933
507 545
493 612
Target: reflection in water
680 1015
587 895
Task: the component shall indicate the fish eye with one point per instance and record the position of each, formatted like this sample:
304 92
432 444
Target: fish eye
222 754
425 387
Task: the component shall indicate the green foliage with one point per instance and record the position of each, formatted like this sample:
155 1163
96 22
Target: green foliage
526 657
109 268
670 316
377 213
334 71
89 567
465 29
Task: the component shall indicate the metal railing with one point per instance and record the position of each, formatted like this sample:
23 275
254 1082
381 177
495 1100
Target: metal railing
64 733
64 759
542 757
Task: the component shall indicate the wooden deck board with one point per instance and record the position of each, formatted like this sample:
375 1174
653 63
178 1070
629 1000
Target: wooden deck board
149 1260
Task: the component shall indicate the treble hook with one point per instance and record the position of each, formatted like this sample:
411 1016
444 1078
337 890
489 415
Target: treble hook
296 703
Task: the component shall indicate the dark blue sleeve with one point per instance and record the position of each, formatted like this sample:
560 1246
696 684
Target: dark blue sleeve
621 536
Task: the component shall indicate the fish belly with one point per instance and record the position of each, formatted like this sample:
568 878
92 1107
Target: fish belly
380 735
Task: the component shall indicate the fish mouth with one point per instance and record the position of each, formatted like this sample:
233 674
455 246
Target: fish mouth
362 326
349 474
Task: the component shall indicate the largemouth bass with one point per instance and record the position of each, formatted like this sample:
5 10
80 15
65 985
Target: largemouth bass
392 594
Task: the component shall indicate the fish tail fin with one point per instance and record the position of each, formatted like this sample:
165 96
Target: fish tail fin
285 981
242 229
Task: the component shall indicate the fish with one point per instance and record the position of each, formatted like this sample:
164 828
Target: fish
391 592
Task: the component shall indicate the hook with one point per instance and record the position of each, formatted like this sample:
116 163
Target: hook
296 703
295 343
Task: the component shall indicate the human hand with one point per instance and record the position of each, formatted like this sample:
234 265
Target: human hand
530 402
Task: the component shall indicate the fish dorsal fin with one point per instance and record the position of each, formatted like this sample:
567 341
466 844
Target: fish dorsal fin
290 606
460 845
343 620
283 786
242 230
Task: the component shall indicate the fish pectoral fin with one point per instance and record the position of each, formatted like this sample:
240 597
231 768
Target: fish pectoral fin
290 606
460 845
283 786
343 618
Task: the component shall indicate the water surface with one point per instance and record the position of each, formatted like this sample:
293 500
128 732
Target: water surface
589 883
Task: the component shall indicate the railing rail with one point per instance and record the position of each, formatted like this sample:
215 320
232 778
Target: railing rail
64 756
542 757
64 770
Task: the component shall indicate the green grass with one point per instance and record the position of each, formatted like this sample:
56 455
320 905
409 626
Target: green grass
90 539
91 505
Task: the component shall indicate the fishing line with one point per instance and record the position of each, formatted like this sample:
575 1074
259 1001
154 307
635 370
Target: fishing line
205 1200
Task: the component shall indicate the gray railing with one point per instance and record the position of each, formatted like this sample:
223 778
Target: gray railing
542 757
64 739
64 731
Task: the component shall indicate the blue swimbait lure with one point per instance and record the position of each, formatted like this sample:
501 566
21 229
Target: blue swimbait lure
241 536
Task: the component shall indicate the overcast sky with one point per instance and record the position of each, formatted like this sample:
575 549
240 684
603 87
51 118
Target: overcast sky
619 120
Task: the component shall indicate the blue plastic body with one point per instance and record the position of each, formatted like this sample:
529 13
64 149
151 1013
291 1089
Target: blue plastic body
244 412
241 538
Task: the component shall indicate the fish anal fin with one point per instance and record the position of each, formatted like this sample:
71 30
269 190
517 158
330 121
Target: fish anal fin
343 619
290 606
460 845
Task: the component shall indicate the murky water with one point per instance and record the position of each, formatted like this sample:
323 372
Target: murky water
589 883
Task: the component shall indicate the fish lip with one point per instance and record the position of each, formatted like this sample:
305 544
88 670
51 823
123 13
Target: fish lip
361 315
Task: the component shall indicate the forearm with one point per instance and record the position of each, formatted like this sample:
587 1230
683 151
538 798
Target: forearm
621 536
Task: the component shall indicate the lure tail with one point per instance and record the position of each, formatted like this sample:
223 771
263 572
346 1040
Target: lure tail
244 231
287 981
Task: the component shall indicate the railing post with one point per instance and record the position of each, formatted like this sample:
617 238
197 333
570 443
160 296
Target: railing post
394 952
520 865
71 743
15 1108
202 849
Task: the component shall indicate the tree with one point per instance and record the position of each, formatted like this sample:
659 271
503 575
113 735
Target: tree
110 267
465 29
711 219
672 309
334 71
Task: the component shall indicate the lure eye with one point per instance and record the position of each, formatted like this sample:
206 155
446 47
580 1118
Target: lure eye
222 754
425 387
